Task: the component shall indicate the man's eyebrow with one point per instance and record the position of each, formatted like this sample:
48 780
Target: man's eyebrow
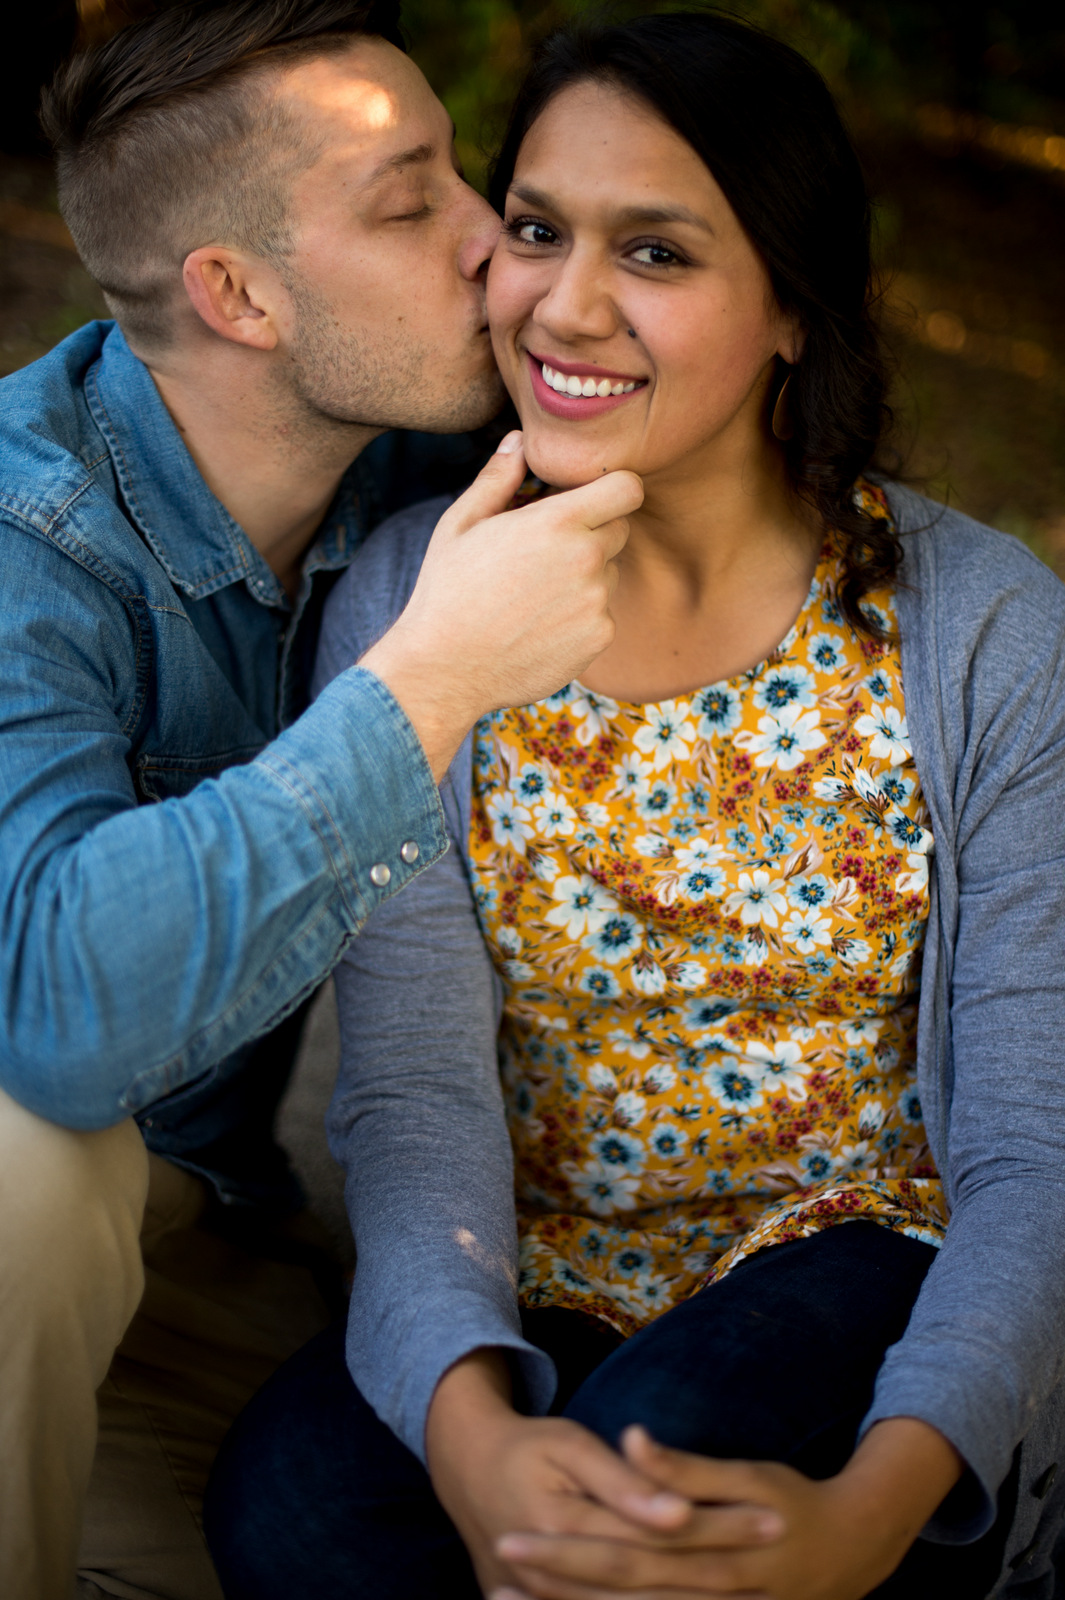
416 156
626 216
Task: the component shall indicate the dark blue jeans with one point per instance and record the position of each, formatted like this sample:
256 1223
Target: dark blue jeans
313 1495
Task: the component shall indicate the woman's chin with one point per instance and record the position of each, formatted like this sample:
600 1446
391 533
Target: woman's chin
568 465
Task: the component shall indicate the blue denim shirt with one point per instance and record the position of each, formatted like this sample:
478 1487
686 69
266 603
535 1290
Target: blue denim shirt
183 855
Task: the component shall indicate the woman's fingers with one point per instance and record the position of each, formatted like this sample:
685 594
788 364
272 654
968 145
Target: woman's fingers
616 1567
617 1484
731 1527
699 1478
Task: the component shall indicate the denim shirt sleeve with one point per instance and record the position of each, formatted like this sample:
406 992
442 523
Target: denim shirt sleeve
141 944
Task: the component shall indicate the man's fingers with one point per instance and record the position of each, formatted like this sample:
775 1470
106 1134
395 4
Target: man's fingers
493 488
700 1478
615 494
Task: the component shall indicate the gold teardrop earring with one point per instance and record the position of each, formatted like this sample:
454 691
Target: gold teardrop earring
783 423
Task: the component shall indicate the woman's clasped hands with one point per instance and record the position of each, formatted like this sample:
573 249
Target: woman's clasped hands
548 1511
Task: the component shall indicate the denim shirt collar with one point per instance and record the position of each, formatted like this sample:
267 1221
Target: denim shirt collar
199 545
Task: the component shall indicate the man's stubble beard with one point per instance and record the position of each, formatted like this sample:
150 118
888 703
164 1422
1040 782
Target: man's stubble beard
379 382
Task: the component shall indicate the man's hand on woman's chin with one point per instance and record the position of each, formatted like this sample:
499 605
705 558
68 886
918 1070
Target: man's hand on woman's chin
509 605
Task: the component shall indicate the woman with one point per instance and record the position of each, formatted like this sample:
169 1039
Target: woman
767 901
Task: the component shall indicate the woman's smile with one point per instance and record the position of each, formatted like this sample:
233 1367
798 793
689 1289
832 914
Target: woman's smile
577 392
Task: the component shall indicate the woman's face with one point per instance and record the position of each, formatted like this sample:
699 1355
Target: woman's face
613 223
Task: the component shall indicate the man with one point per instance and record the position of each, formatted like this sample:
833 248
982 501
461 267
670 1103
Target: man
267 194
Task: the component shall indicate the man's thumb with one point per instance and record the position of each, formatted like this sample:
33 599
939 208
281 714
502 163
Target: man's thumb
494 486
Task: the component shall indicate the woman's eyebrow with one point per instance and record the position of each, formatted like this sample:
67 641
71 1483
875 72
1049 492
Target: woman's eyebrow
625 216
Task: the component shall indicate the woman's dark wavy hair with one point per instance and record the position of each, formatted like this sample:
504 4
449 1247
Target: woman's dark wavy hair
765 124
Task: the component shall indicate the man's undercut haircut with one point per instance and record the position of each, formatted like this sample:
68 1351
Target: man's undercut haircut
167 138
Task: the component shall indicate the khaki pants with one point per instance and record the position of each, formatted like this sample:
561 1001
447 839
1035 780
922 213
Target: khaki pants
90 1223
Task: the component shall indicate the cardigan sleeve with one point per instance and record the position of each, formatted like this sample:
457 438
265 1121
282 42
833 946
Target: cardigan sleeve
417 1117
985 1346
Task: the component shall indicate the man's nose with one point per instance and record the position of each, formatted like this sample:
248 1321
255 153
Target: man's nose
480 237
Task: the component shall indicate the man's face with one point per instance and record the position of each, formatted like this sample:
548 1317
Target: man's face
387 325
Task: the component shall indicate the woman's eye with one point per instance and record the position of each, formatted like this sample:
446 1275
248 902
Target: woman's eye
529 231
655 255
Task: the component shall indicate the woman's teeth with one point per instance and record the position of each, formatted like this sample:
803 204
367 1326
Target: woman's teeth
588 387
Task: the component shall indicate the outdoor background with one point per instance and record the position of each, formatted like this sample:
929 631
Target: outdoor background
958 111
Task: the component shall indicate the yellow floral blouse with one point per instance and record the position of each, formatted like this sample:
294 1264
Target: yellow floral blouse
708 916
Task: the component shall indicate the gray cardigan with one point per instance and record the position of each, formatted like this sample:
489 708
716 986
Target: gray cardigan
417 1116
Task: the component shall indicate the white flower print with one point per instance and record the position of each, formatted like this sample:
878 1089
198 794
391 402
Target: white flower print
659 1079
853 952
890 736
699 853
601 1079
511 822
530 782
782 688
653 846
633 775
806 930
907 833
871 1118
518 971
915 880
614 937
718 709
555 817
758 898
629 1109
784 737
688 974
831 788
667 734
595 710
648 977
603 1189
650 1290
707 1011
509 941
545 867
863 1031
626 1043
824 651
595 815
584 905
779 1065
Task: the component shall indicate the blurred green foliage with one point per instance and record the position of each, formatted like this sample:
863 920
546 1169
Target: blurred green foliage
879 58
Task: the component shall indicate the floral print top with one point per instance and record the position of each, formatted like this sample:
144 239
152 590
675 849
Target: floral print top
708 916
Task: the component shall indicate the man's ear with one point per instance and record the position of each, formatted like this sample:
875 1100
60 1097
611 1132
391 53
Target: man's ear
239 297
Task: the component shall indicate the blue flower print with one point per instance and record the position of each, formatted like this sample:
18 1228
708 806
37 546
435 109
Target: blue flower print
809 892
895 785
601 983
736 1090
905 831
530 783
620 935
796 813
740 839
733 950
830 611
785 686
778 842
708 1011
595 1246
816 1166
522 1100
699 797
629 1262
910 1106
819 964
825 652
829 818
615 1148
668 1141
659 800
876 616
879 685
718 710
684 827
486 896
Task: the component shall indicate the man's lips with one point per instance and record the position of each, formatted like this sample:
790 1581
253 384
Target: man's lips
575 407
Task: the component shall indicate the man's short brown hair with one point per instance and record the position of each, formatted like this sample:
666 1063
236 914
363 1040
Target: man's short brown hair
167 138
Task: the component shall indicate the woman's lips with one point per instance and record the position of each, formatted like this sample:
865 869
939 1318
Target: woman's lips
575 407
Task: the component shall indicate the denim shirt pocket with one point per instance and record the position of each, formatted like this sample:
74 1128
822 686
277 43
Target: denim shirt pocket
163 777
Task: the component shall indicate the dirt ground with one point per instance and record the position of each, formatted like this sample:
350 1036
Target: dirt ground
973 249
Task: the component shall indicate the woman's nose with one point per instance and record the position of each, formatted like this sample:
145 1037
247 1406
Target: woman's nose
578 302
